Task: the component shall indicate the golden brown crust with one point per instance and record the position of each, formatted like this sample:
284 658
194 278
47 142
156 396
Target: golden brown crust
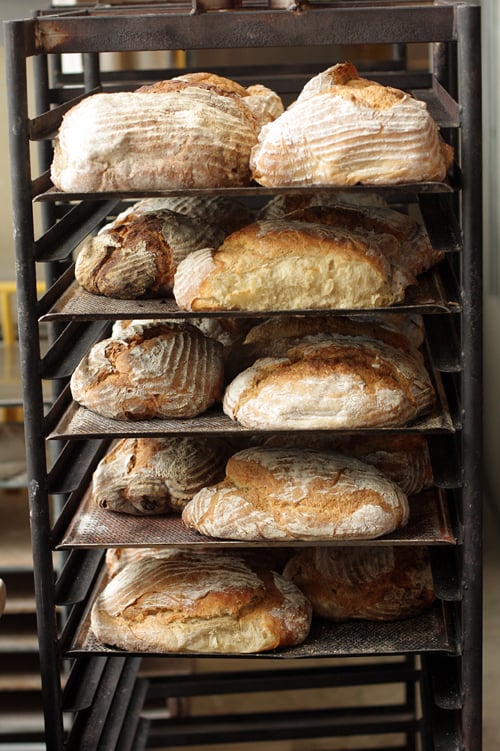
165 370
205 603
297 494
371 583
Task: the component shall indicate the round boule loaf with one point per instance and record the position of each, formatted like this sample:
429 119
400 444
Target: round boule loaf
167 370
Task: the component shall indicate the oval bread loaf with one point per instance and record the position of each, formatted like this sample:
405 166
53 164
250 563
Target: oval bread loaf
294 494
157 475
330 382
364 582
200 603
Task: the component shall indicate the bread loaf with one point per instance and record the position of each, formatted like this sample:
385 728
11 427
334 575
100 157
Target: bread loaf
202 603
273 336
157 475
330 382
293 265
136 256
192 131
169 370
364 582
343 130
403 458
297 494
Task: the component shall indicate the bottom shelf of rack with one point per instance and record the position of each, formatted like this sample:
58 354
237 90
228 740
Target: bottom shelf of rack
432 631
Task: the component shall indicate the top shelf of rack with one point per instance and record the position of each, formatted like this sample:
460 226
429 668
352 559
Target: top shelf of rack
182 26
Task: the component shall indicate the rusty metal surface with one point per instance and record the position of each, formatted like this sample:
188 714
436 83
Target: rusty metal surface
99 29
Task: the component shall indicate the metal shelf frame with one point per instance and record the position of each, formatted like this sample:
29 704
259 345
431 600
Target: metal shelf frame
452 29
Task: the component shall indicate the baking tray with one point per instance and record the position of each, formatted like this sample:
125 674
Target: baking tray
91 526
428 296
430 632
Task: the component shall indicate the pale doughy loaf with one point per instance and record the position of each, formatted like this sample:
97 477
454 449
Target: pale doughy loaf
297 494
205 603
343 130
136 256
129 141
192 131
364 582
403 458
293 265
330 382
168 370
157 475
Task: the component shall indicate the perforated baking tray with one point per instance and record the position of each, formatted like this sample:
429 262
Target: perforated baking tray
431 631
430 524
429 296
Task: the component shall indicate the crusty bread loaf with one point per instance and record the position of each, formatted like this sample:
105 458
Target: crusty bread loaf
157 475
220 213
403 458
343 130
273 336
205 603
330 382
364 582
136 256
293 265
264 104
129 141
297 494
402 330
168 370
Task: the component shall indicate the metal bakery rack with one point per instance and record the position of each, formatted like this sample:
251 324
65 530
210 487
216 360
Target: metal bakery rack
427 670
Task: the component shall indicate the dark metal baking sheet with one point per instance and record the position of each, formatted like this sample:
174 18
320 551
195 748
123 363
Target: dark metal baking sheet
92 526
430 632
429 296
81 422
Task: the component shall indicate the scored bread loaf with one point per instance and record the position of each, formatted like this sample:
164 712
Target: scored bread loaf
187 132
204 603
403 458
136 256
364 582
343 130
168 370
297 494
263 339
288 264
330 382
157 475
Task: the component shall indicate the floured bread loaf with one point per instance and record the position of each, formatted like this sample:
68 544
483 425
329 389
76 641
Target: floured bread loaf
343 130
402 330
293 265
273 336
169 370
284 203
264 104
273 558
330 382
205 603
381 583
404 459
220 213
414 251
136 256
157 475
297 494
